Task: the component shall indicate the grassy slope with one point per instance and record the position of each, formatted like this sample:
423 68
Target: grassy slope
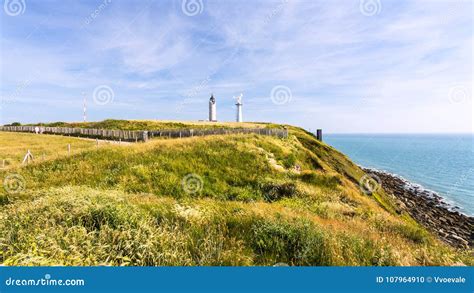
126 206
151 124
13 147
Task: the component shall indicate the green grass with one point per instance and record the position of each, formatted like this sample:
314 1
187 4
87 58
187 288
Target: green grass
13 147
153 124
248 205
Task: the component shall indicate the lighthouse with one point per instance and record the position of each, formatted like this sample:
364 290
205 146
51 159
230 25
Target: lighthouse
212 109
239 108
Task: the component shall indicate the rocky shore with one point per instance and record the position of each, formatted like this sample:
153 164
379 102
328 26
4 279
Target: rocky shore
429 209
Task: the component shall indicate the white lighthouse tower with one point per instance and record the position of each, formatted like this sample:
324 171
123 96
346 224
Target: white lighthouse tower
212 109
239 108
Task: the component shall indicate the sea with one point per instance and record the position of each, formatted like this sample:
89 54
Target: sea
443 163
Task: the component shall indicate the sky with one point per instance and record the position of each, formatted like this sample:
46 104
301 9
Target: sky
349 66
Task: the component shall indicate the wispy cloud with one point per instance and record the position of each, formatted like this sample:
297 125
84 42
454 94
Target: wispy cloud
394 71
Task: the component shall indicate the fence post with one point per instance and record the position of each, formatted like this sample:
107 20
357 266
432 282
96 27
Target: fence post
27 157
68 148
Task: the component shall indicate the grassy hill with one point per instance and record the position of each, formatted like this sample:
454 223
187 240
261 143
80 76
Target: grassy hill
155 125
218 200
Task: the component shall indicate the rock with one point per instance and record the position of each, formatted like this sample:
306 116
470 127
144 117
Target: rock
460 240
429 209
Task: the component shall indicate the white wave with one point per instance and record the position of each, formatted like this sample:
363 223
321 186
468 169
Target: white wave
420 190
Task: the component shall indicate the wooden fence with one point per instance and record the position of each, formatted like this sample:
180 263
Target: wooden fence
178 133
123 135
126 135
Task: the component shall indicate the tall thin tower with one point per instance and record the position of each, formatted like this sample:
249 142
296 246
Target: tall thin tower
239 108
84 107
212 109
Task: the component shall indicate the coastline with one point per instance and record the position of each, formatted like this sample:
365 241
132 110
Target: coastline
429 209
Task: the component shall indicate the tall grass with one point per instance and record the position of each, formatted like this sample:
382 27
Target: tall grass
130 205
13 147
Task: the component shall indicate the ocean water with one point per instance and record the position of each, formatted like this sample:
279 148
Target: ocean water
443 163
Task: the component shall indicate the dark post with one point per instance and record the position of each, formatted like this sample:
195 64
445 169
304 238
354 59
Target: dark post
319 134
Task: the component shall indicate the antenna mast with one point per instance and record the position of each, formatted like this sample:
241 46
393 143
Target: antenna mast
85 107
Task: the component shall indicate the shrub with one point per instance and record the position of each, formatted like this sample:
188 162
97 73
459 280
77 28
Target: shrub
412 232
3 199
243 194
275 191
289 161
295 242
320 179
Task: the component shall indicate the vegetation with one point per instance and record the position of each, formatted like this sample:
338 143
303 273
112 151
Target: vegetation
151 124
14 124
13 147
219 200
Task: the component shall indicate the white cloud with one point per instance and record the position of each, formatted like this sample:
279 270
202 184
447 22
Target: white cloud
355 73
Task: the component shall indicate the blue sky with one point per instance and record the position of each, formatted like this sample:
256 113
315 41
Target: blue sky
344 66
